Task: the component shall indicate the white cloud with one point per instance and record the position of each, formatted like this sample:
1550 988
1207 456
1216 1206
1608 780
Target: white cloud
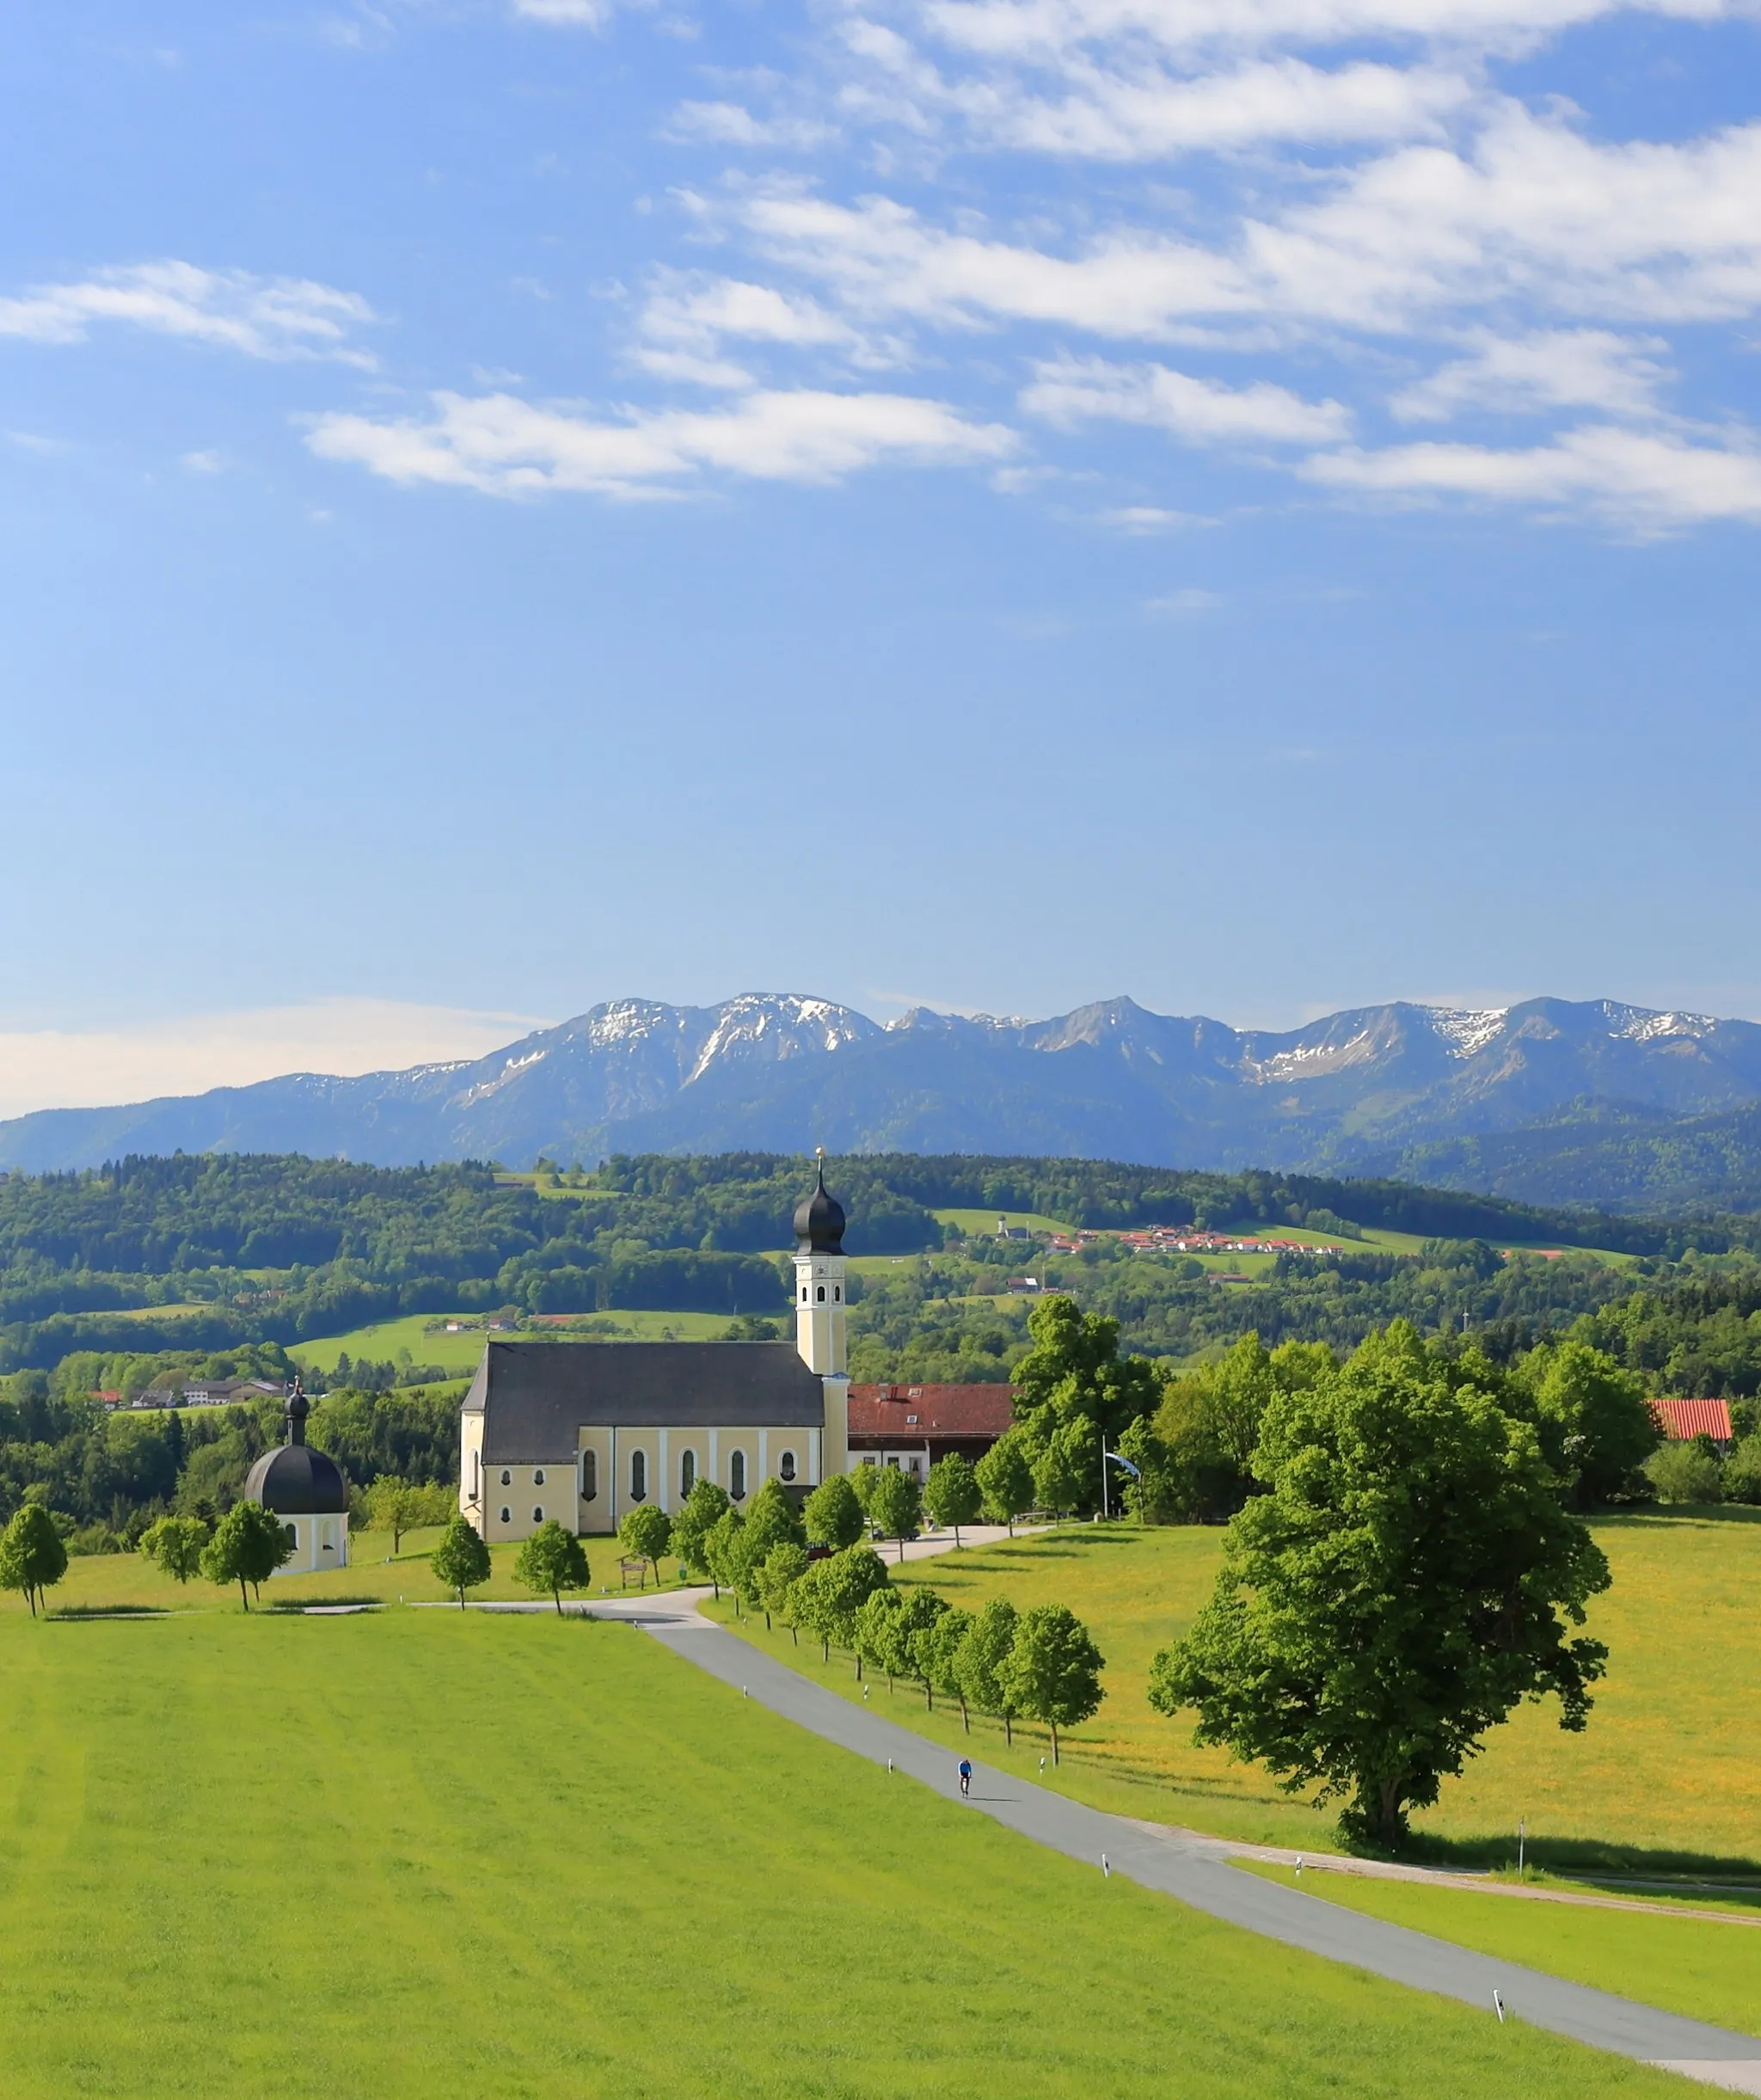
1140 518
700 311
233 309
59 1068
504 446
729 124
203 463
1187 605
566 14
1640 482
1070 390
1525 375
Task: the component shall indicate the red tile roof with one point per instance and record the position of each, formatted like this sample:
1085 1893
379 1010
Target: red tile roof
1681 1419
912 1413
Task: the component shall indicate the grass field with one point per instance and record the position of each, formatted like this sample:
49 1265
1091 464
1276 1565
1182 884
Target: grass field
1704 1966
1668 1771
461 1353
423 1852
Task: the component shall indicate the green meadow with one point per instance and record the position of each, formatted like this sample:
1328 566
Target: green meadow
427 1851
460 1354
1666 1777
1706 1966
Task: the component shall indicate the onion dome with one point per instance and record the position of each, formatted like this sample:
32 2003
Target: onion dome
819 1221
293 1480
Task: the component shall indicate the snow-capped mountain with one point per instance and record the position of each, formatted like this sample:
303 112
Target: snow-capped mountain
1357 1090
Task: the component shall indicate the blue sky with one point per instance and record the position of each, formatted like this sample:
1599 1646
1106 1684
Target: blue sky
1248 503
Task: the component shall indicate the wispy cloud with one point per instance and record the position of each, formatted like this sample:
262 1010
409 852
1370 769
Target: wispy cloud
231 309
1072 390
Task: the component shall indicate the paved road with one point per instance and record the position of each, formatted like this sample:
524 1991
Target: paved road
1198 1875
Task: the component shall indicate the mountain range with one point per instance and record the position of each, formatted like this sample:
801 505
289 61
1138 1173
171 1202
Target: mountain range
1551 1101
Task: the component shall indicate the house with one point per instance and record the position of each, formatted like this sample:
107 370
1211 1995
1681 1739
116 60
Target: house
583 1432
913 1426
1679 1420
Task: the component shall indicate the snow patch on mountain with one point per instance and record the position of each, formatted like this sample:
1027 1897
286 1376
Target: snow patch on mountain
1468 1029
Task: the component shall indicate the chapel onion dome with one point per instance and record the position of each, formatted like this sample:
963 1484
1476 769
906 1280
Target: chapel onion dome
819 1221
293 1480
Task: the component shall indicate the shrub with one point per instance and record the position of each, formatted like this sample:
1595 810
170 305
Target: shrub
1742 1472
1684 1473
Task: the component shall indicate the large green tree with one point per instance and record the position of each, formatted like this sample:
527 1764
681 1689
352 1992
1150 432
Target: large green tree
1074 1368
1404 1581
693 1521
1595 1426
176 1544
938 1656
1006 1477
461 1560
249 1543
896 1505
829 1595
646 1532
784 1565
552 1559
31 1556
834 1516
981 1663
1052 1670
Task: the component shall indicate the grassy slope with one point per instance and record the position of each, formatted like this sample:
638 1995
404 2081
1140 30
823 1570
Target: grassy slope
1687 1963
423 1852
461 1353
1670 1762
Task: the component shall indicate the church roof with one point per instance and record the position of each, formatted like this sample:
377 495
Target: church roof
819 1221
534 1396
295 1481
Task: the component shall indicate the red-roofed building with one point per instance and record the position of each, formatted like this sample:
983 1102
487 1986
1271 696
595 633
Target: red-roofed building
913 1426
1682 1419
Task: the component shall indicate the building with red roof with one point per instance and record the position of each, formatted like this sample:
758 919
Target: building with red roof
913 1426
1682 1419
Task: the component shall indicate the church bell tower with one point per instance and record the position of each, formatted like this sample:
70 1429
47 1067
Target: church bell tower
820 1313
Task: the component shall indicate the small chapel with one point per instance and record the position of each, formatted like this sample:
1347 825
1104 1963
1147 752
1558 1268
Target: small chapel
582 1433
305 1489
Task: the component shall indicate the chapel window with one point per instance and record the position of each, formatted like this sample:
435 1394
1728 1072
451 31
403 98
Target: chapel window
836 1293
688 1472
507 1516
538 1476
290 1534
737 1476
638 1475
506 1478
822 1294
589 1476
537 1514
785 1466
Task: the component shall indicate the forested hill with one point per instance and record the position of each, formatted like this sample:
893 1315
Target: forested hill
240 1248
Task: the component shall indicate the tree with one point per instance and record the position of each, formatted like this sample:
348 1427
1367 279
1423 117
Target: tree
461 1560
784 1565
939 1657
1058 1473
1742 1472
552 1559
1595 1427
721 1551
829 1595
874 1634
952 1493
176 1544
1052 1670
1684 1472
393 1504
1006 1479
834 1516
772 1520
922 1612
31 1556
693 1521
249 1543
1074 1368
862 1482
646 1531
1395 1592
980 1661
896 1505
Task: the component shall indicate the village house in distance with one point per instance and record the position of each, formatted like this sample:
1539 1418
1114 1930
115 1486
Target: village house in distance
584 1433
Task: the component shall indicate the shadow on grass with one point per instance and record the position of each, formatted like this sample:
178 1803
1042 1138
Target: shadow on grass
74 1613
293 1607
1585 1859
1679 1513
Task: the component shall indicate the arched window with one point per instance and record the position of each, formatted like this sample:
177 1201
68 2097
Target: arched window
538 1476
688 1472
506 1478
804 1295
507 1516
822 1294
477 1474
589 1476
290 1534
737 1476
638 1475
785 1466
537 1514
836 1293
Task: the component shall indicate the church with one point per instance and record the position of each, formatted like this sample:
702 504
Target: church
584 1431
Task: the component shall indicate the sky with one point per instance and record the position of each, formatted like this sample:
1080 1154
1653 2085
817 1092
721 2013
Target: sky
986 503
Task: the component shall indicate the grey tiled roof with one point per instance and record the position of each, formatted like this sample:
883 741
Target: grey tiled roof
534 1396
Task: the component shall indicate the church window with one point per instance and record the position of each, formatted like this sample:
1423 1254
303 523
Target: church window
507 1516
476 1469
289 1533
785 1466
688 1472
822 1294
804 1295
537 1514
737 1476
836 1293
506 1478
638 1475
589 1476
538 1476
